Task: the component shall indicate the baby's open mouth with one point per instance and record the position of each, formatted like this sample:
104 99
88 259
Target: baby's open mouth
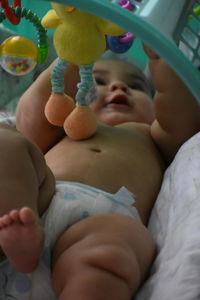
118 100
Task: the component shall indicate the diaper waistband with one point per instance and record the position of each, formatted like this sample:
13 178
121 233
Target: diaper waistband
123 196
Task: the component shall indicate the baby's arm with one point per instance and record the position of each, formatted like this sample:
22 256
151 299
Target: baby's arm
177 111
102 257
30 118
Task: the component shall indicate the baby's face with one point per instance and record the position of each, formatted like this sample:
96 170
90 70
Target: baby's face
124 94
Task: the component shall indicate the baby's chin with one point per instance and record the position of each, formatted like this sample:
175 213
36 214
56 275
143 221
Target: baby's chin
113 119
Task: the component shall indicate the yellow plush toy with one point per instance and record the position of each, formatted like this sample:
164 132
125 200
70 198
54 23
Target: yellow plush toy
80 38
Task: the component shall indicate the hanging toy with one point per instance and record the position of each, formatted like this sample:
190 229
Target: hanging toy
80 38
121 44
19 55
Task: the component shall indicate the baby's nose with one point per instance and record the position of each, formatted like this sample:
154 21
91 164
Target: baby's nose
118 85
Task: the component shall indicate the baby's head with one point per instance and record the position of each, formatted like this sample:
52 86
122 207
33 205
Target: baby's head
125 94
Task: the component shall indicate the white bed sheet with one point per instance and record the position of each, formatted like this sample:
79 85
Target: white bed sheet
175 226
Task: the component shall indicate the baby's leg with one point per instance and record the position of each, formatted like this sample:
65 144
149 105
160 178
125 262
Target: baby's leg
102 257
23 173
21 238
23 182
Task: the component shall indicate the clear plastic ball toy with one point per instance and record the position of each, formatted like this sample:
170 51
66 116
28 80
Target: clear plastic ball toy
18 55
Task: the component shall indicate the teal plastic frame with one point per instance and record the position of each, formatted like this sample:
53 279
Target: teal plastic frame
147 33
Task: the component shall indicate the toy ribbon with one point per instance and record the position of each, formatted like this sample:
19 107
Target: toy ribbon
10 15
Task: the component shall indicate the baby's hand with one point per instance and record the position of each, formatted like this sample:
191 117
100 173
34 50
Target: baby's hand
164 78
151 54
173 126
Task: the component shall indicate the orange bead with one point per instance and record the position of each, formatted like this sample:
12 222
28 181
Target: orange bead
58 108
81 123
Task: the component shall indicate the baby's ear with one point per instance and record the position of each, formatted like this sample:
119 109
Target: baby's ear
51 19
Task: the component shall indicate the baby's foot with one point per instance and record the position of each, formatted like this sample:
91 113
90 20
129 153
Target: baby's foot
21 238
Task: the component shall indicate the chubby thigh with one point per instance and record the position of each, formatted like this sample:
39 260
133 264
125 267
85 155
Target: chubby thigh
23 173
102 257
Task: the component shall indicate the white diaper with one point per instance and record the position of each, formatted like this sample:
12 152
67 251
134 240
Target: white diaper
71 203
74 201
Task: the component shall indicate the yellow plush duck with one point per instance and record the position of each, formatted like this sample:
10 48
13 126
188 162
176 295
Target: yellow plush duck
80 38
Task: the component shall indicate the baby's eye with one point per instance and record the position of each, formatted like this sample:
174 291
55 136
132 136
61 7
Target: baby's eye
135 86
100 81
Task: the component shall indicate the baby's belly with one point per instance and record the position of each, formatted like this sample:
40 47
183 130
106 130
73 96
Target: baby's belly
108 169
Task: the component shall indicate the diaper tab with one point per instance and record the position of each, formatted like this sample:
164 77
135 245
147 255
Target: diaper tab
124 196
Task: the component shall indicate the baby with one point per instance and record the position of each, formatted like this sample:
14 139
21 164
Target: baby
104 250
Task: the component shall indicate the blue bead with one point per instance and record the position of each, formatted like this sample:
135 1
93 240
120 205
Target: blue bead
115 45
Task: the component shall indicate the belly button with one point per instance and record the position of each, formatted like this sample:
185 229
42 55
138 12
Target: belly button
95 150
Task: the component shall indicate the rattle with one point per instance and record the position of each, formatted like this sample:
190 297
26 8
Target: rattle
18 55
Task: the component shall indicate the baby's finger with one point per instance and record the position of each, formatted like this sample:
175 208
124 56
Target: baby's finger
150 52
